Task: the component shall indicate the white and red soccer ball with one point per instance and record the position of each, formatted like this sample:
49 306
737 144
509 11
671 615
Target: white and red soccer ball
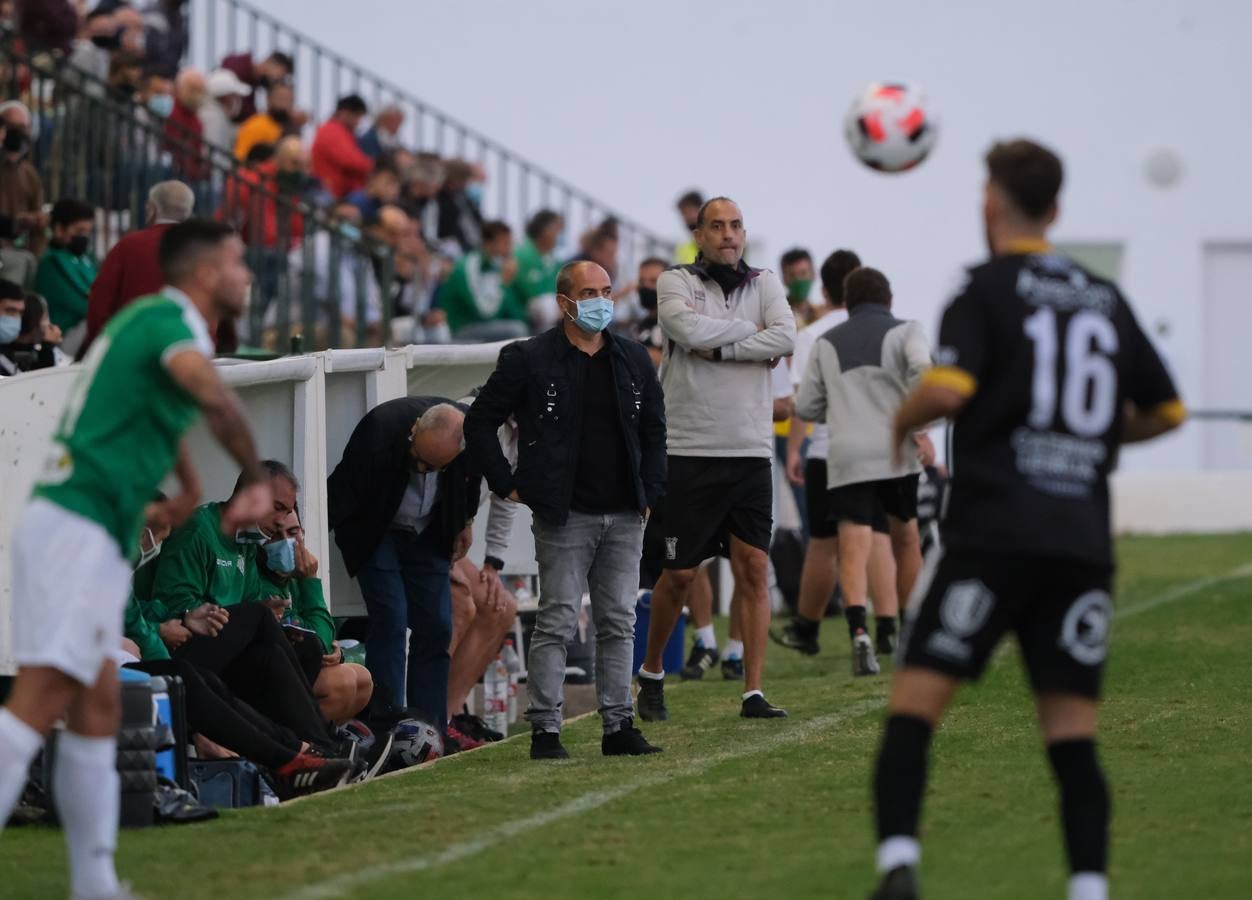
890 127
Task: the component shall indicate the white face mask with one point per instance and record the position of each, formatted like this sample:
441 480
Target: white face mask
153 551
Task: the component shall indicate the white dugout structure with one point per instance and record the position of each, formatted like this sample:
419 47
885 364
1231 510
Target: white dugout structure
303 409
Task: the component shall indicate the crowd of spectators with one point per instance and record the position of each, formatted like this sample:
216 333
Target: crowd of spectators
417 253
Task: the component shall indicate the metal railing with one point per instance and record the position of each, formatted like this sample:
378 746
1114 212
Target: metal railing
310 280
517 187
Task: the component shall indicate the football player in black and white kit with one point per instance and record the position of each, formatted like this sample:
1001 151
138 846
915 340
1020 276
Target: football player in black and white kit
1044 371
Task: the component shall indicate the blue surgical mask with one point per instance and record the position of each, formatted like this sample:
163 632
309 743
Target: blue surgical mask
280 556
10 328
474 191
350 231
594 315
161 105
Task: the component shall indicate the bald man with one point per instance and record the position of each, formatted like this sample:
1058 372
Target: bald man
184 132
591 463
401 503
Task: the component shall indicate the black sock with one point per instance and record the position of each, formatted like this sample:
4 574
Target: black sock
856 619
1084 804
900 777
805 627
885 626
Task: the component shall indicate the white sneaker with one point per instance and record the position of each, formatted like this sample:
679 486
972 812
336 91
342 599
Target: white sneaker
863 660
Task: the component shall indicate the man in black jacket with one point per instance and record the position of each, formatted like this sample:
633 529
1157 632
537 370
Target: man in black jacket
400 504
591 462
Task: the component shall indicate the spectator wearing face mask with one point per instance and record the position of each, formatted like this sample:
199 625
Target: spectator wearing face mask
224 103
68 268
38 346
338 162
534 288
476 296
647 329
21 190
12 310
270 126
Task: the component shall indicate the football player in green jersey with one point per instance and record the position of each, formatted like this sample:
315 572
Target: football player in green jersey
146 377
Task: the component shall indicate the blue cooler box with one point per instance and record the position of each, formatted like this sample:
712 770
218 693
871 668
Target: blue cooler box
673 656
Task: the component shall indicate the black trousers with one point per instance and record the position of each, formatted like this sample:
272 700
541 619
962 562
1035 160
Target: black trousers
256 661
215 712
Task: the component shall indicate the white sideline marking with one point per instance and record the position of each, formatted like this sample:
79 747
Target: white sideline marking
1183 590
340 885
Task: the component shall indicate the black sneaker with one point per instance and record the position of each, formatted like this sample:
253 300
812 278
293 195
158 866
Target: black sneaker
700 661
732 669
863 660
757 707
473 726
546 745
795 636
309 773
898 884
885 644
627 741
652 700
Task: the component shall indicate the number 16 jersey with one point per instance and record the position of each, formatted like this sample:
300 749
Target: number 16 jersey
1047 354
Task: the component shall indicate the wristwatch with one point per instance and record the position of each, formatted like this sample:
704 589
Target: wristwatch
495 562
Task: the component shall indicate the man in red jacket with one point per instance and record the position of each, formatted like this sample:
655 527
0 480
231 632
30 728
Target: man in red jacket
183 132
338 162
130 270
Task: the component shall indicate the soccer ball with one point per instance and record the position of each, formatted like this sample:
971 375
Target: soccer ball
415 742
890 128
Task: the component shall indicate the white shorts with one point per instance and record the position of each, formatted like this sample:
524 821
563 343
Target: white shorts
70 587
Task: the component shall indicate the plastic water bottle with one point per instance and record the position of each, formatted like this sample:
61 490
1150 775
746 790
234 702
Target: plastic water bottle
496 696
513 663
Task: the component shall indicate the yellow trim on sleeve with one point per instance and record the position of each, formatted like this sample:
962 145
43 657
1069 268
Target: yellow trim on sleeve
1027 245
952 378
1172 411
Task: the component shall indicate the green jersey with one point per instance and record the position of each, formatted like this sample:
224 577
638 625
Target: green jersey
118 436
536 275
198 564
145 633
308 603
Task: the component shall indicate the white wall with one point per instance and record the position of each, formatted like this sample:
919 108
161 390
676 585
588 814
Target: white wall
638 101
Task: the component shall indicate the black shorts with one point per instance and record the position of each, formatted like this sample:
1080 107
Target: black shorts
863 501
706 500
1060 610
822 521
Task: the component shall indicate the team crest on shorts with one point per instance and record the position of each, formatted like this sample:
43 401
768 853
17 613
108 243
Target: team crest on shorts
1085 629
966 606
671 548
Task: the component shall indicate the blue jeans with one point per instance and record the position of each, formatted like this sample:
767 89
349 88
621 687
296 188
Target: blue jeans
405 585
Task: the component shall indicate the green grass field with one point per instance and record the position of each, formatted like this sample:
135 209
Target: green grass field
756 809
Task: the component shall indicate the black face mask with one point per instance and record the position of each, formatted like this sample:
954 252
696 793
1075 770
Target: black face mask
281 116
647 298
78 244
15 140
127 90
290 182
107 41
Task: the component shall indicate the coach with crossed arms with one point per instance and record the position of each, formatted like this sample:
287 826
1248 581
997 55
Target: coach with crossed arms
591 463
